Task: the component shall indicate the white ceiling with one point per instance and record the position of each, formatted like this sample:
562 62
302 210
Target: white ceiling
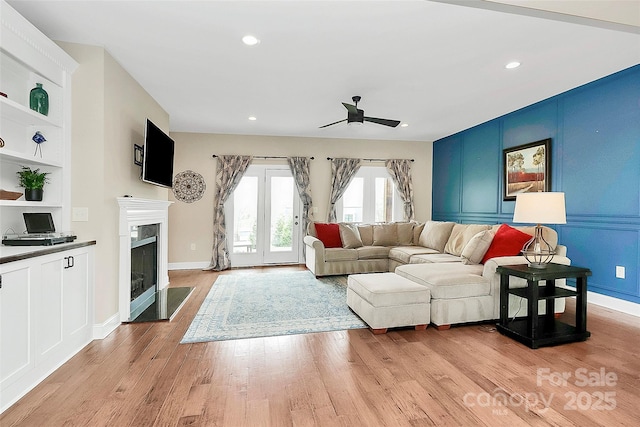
438 66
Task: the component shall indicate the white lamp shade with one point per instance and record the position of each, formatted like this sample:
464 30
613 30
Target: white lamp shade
540 208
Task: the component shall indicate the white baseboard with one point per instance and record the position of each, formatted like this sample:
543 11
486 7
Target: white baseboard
617 304
201 265
102 330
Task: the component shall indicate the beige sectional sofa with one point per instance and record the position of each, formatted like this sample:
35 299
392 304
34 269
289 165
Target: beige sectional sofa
444 257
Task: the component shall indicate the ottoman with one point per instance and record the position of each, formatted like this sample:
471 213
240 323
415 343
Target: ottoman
387 300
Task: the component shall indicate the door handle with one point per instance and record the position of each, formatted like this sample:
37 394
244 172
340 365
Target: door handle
69 261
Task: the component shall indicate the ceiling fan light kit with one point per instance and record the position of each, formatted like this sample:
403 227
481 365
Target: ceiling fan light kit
356 116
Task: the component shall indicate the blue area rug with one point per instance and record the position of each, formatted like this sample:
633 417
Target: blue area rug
268 304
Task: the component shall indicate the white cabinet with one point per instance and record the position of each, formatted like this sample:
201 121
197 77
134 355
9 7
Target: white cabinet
46 314
28 57
77 313
46 297
62 320
16 328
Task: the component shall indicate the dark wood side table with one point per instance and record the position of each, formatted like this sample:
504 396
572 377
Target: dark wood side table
534 330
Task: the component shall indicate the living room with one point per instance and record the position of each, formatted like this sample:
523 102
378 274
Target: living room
110 106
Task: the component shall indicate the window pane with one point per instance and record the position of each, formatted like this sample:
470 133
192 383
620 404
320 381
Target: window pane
245 215
352 201
281 213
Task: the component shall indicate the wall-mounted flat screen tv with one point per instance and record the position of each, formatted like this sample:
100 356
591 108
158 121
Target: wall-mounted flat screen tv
157 162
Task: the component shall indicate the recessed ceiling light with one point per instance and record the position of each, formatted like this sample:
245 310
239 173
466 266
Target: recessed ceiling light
250 40
511 65
404 125
252 118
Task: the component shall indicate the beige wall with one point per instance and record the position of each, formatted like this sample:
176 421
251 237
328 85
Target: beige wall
109 111
108 117
190 223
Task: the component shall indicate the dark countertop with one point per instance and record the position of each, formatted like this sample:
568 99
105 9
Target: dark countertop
19 253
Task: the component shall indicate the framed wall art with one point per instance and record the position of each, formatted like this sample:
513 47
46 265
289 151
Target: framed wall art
527 168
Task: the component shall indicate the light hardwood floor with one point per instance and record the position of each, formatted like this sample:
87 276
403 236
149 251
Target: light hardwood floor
469 375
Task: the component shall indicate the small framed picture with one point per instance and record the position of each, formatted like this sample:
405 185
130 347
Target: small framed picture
527 168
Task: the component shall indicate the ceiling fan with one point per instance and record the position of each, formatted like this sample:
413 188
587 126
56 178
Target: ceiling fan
356 115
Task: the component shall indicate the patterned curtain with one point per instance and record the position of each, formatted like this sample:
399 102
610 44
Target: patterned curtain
400 171
229 172
342 172
300 169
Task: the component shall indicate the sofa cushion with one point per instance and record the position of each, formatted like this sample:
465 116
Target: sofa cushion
405 233
373 252
507 242
417 230
460 236
340 254
404 253
475 249
435 235
435 257
350 236
329 234
385 234
366 234
448 280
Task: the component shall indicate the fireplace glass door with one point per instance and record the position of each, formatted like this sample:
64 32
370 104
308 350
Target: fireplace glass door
144 267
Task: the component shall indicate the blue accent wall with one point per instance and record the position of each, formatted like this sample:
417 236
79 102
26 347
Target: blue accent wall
595 160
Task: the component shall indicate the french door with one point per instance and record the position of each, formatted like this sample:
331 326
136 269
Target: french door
263 218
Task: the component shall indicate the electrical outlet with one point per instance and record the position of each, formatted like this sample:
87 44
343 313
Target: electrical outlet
80 214
620 272
193 246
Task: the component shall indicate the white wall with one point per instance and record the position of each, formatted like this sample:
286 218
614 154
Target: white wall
108 116
191 223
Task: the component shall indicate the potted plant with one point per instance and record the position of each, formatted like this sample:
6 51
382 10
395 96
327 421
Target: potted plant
32 180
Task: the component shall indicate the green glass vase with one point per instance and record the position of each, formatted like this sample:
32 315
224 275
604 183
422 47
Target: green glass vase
39 100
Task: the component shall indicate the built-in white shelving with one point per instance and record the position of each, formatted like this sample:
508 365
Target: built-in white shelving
27 57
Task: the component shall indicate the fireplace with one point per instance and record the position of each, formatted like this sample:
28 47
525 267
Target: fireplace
144 267
143 225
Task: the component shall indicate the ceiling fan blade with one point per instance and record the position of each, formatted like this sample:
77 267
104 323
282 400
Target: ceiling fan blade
351 108
386 122
334 123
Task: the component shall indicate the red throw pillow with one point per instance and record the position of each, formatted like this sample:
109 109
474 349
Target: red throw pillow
508 241
329 234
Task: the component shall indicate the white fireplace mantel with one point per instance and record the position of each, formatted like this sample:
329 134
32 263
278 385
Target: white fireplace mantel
135 212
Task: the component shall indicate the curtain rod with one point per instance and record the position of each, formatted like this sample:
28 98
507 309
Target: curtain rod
268 157
372 160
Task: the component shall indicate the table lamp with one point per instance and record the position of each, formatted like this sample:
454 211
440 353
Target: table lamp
539 208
